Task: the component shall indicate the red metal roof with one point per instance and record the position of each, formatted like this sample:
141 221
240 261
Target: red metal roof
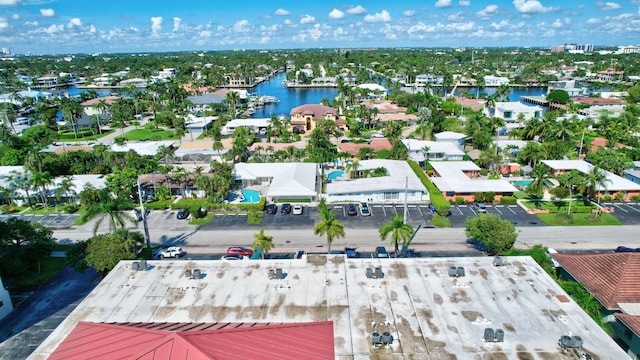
186 341
611 278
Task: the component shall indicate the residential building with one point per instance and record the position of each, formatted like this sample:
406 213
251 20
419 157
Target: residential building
375 144
92 106
429 79
422 151
572 87
6 306
389 111
20 96
168 73
613 280
510 112
293 181
610 75
613 185
186 186
459 179
305 117
254 125
375 91
633 174
142 147
49 80
135 82
451 137
495 81
391 187
320 303
630 49
203 102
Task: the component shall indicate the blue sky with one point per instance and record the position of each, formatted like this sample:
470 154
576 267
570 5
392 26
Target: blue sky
88 26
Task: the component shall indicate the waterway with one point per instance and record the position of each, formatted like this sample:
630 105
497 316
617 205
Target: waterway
289 98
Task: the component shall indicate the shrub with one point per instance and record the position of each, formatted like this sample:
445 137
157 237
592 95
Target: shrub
564 218
459 200
71 208
559 192
198 211
483 172
254 217
508 200
443 210
619 196
635 198
607 198
437 199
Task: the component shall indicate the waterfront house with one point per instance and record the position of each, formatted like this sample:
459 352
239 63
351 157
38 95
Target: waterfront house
254 125
422 151
168 73
510 111
451 137
495 81
93 107
428 79
305 117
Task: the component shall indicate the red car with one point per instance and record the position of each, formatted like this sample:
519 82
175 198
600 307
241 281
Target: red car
239 250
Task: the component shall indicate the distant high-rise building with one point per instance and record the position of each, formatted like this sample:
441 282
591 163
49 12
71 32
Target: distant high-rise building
572 48
6 51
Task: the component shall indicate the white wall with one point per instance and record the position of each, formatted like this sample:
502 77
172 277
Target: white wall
375 197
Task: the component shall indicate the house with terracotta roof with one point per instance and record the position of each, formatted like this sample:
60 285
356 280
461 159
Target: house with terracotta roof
614 281
92 106
375 144
305 117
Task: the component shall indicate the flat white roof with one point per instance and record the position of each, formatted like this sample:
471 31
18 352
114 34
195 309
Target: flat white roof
449 135
517 106
399 173
142 147
429 314
615 183
289 179
434 146
248 122
453 179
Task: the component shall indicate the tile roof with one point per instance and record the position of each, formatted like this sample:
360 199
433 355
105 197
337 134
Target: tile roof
317 111
313 340
376 144
612 278
631 321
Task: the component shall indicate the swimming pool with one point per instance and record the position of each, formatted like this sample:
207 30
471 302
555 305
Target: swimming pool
522 183
335 174
250 196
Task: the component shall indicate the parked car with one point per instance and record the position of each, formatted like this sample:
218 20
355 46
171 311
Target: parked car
182 214
297 209
381 252
480 207
351 252
171 252
351 210
271 209
239 250
626 249
364 209
285 209
232 257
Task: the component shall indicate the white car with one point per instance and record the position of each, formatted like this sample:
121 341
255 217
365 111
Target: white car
171 252
297 210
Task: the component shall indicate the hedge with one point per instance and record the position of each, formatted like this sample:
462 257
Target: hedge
437 199
508 200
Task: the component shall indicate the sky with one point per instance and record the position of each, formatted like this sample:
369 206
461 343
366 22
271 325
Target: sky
115 26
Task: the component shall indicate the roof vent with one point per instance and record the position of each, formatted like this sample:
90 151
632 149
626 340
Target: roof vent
375 273
196 274
381 339
491 335
570 342
135 266
498 261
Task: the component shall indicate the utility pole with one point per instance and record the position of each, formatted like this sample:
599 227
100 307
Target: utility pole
144 217
406 187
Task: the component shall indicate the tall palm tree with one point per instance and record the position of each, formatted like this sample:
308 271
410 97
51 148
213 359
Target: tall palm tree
399 231
262 242
21 180
540 180
232 98
66 187
165 153
42 180
353 169
597 180
329 226
113 209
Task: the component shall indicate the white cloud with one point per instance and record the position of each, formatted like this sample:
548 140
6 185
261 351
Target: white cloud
307 19
177 24
282 12
443 3
609 5
382 16
156 24
241 26
54 29
593 21
487 12
205 33
501 25
464 3
456 17
357 10
530 7
10 2
31 23
336 14
409 13
288 22
15 17
4 24
75 22
47 12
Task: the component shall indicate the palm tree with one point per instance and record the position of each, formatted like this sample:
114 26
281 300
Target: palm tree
597 180
21 180
399 231
262 242
165 153
328 226
64 187
42 180
490 104
130 240
353 169
540 180
114 209
232 98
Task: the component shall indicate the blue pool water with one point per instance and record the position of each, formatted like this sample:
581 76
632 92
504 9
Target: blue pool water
250 196
335 174
522 183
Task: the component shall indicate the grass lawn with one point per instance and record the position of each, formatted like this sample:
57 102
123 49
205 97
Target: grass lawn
440 221
49 268
205 220
580 219
70 137
150 134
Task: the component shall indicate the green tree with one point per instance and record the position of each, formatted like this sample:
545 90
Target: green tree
328 226
558 96
399 231
113 209
263 242
104 251
497 234
22 244
540 180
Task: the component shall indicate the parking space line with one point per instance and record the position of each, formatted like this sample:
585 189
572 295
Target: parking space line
619 207
461 213
632 208
420 211
498 210
510 209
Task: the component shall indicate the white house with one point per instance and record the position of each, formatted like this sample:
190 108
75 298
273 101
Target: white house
199 123
494 81
375 90
459 179
510 111
168 73
451 137
424 150
298 181
5 301
388 188
142 147
426 79
254 125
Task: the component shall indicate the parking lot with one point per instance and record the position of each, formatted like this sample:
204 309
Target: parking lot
513 213
627 213
57 221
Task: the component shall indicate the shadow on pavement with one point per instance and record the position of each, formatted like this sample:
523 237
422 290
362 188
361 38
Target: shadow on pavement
45 307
